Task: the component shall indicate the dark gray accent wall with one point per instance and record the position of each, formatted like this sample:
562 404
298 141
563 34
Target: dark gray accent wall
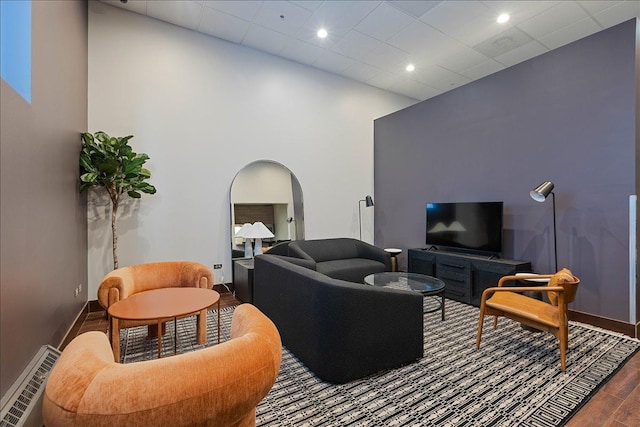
568 116
43 225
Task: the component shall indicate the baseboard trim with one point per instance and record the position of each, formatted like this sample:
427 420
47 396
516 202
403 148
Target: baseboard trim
74 325
605 323
94 306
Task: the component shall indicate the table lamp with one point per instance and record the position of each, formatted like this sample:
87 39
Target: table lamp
247 243
258 231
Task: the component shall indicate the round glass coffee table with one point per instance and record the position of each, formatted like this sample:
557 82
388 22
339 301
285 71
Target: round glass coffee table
427 286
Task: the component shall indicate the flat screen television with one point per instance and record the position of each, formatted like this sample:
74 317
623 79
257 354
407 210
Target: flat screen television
467 226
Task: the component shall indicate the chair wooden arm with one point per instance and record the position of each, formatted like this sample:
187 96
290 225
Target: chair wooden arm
520 289
523 277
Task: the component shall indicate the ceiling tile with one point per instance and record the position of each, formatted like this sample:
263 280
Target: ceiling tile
240 9
420 39
265 39
467 21
383 80
302 52
223 26
562 15
282 16
521 54
333 62
413 7
355 45
618 13
502 43
384 22
361 72
482 70
183 13
570 33
519 10
451 82
386 57
311 5
430 74
339 17
461 57
594 6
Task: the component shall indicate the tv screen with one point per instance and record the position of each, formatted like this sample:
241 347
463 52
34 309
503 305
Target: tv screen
472 226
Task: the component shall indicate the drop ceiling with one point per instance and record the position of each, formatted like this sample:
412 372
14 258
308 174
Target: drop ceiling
450 43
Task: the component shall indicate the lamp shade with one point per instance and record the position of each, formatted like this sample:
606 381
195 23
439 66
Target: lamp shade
368 201
243 230
540 193
258 231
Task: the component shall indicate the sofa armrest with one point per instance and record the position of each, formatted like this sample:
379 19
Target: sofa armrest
196 275
365 250
116 285
310 264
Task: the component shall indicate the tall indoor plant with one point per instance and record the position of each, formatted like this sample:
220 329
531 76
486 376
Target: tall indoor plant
110 162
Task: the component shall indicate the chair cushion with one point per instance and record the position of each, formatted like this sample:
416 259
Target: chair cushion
526 307
561 277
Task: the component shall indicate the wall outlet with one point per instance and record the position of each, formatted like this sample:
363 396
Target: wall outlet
217 266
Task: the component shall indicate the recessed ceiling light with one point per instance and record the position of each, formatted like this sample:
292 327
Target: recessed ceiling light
410 67
503 18
322 33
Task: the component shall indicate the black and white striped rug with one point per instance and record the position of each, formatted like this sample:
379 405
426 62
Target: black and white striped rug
513 380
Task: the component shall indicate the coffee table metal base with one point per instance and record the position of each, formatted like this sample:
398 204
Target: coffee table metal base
425 285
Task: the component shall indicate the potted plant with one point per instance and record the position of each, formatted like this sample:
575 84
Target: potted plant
110 162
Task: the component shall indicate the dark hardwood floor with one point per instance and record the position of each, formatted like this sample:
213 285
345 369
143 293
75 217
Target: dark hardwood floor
614 405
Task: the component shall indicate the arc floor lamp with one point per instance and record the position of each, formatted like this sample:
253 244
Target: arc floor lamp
368 201
540 194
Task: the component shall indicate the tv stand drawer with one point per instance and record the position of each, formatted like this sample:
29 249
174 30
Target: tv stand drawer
465 275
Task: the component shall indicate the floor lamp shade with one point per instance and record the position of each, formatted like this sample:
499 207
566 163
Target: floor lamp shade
540 194
368 202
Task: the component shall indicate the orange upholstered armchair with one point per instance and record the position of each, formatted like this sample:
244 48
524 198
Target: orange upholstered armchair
215 386
550 317
126 281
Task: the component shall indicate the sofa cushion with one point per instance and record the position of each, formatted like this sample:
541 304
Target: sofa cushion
350 269
325 249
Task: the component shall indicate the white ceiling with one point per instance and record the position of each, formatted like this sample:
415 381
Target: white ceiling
451 43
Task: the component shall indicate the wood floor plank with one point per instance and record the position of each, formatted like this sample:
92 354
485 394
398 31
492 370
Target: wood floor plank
625 381
628 412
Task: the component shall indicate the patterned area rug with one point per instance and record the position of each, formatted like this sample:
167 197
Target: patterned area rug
513 380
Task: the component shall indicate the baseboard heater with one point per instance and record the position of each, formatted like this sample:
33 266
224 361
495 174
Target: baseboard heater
22 404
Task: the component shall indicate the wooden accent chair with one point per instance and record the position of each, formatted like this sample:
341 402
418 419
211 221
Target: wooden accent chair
550 317
216 386
126 281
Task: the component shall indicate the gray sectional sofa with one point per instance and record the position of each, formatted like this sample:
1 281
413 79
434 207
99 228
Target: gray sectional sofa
340 258
340 330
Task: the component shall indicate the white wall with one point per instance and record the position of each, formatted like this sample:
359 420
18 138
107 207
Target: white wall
203 108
